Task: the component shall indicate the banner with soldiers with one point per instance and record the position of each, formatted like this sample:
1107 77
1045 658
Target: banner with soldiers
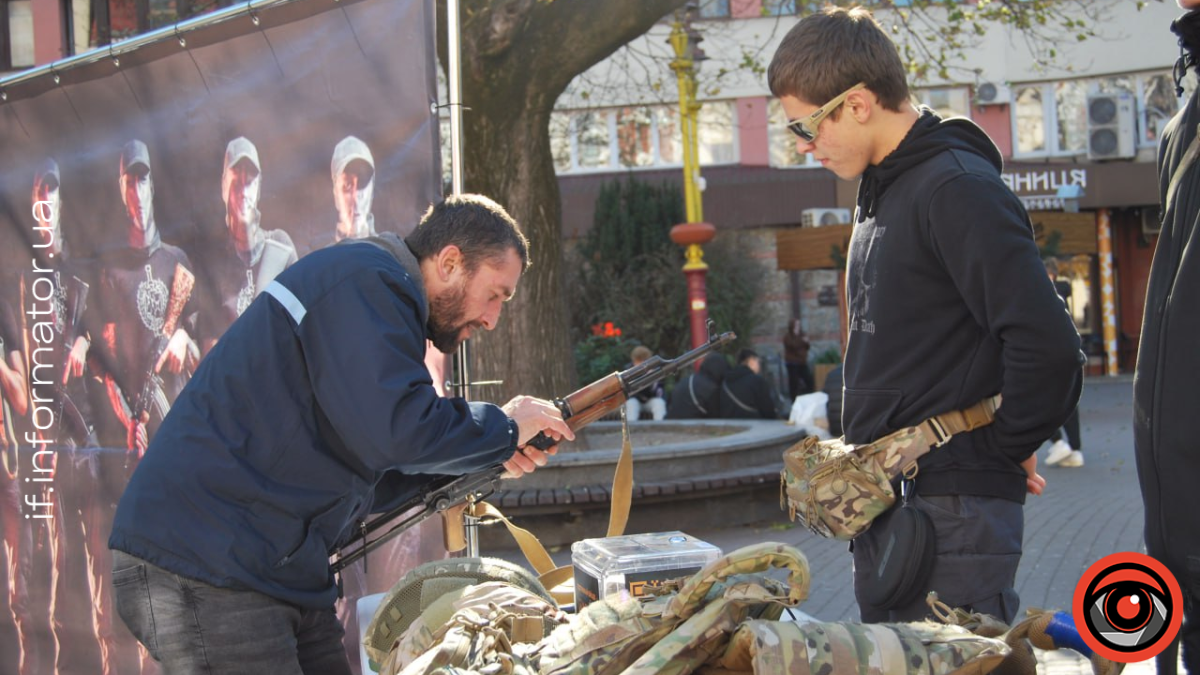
148 194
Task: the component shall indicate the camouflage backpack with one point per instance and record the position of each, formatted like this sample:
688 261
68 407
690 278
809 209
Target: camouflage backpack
837 489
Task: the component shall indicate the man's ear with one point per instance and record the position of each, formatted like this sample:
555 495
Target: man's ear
861 104
449 261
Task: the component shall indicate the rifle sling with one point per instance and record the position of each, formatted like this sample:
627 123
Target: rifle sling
554 577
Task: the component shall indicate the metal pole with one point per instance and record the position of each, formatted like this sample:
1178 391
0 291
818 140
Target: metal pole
454 68
462 358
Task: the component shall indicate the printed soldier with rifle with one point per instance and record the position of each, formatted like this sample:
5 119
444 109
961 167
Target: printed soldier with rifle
141 317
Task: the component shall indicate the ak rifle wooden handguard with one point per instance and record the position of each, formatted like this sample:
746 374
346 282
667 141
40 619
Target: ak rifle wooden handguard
605 395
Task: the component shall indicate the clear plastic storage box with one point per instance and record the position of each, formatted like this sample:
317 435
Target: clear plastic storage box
635 563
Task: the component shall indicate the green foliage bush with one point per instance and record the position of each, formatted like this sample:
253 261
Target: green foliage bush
627 271
598 355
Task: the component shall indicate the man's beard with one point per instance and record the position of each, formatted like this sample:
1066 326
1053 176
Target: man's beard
446 322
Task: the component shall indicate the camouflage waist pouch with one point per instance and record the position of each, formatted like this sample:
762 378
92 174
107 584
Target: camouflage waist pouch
837 489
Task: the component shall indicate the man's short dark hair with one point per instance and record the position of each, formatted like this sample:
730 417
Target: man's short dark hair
745 355
833 50
478 226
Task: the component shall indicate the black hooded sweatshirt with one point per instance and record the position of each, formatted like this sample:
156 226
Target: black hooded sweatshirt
950 304
1166 397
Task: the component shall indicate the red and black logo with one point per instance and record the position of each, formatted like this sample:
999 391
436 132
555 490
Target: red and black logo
1128 607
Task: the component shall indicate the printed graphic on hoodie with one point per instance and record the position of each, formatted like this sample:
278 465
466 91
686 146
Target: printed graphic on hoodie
862 270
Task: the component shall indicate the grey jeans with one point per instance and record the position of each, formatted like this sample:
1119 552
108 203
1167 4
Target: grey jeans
193 627
978 550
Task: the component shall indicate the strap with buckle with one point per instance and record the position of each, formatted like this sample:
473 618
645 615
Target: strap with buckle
939 429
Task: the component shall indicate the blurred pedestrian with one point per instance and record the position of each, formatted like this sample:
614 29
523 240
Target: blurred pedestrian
695 395
1064 452
653 397
1165 395
795 357
745 393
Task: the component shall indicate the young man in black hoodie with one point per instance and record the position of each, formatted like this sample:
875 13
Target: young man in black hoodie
1165 396
949 305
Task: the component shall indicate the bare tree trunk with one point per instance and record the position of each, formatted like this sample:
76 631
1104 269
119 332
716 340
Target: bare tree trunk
518 56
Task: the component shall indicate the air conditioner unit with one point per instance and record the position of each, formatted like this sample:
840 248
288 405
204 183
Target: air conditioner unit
991 93
1110 126
820 217
1151 221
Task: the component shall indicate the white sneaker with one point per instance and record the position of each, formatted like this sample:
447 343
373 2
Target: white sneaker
1076 459
1059 451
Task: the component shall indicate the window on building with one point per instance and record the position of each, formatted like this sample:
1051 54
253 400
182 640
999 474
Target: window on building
1051 118
714 9
592 139
1070 116
560 141
779 7
16 34
670 136
715 130
1029 116
947 101
783 143
93 23
636 137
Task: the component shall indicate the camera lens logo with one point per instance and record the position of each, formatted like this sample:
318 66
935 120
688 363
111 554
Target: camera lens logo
1128 607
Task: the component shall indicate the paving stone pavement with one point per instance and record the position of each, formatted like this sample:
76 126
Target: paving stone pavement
1084 514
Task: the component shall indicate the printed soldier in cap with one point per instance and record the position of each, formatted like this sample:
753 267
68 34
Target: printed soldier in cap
353 172
143 314
54 464
140 320
77 524
253 256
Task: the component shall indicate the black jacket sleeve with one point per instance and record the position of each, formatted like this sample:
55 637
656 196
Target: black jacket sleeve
984 240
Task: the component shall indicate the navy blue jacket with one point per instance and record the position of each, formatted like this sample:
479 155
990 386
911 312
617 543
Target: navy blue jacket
313 410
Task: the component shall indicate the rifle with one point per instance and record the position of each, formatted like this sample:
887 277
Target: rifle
71 419
449 495
151 402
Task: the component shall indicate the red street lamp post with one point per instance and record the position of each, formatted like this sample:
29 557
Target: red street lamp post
692 236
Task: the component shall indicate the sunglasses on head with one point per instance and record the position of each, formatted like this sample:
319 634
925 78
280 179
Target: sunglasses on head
806 127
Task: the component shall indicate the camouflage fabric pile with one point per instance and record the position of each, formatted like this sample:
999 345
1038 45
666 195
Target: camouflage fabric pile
720 621
492 627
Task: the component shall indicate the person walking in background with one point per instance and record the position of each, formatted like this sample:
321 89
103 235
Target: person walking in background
795 357
745 394
1068 452
695 395
1165 395
651 397
945 312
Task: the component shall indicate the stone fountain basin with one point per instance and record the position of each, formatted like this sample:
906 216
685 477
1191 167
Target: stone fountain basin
687 474
666 451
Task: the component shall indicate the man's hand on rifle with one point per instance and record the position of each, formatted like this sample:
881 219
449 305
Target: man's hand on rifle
534 415
179 353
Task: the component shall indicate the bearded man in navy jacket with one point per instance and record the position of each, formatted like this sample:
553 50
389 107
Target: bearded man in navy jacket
314 410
